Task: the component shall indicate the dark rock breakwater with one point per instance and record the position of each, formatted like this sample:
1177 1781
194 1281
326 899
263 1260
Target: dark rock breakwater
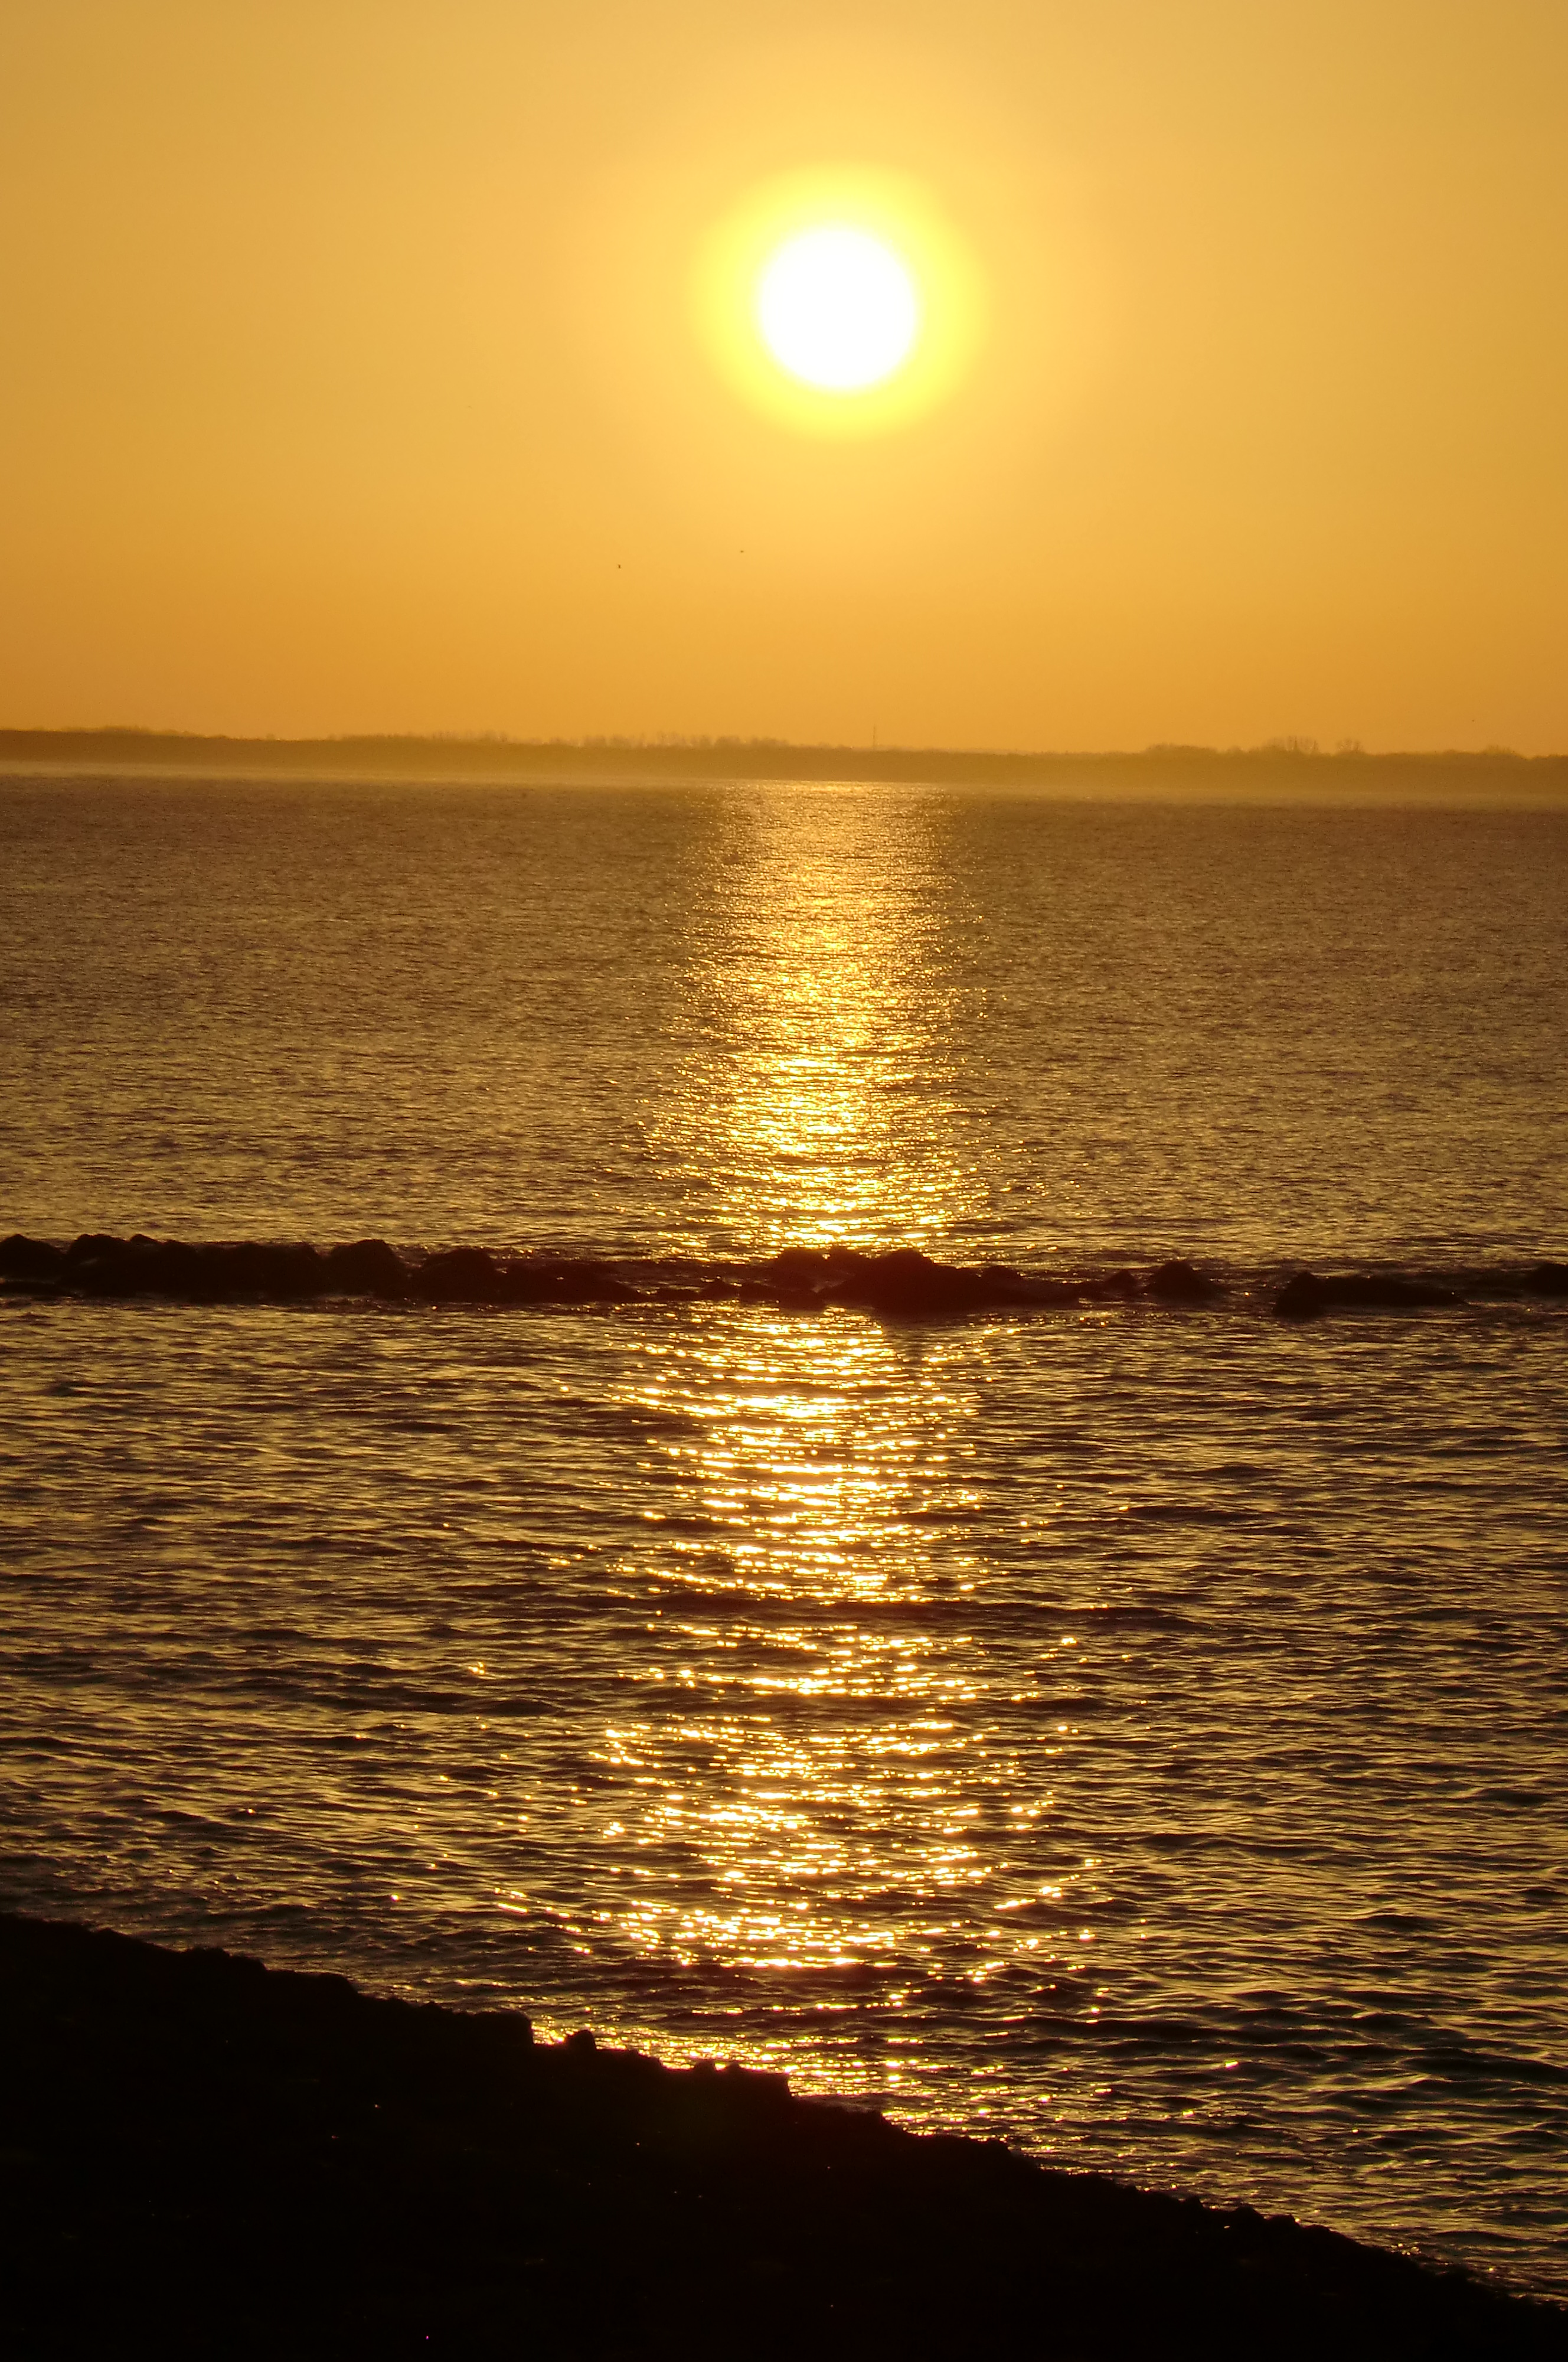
1306 1295
902 1285
203 2155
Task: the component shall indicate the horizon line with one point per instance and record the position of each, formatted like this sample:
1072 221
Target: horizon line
1287 747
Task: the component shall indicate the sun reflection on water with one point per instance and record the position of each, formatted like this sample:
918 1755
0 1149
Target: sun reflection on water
806 1746
819 1094
797 1755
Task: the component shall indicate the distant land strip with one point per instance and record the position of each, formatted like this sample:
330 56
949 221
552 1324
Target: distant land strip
1286 769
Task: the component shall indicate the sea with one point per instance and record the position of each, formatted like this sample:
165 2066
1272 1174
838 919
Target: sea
1138 1730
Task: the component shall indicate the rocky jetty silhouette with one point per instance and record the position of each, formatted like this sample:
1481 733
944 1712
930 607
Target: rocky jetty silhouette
904 1283
204 2156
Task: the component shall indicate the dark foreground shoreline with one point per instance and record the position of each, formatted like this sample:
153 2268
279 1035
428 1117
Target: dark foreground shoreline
199 2155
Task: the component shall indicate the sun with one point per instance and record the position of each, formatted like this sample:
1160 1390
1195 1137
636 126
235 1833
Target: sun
838 308
838 301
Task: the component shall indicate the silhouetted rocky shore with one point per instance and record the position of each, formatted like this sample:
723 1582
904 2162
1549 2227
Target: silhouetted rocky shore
203 2155
902 1285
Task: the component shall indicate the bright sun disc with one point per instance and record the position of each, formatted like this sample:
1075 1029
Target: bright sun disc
838 309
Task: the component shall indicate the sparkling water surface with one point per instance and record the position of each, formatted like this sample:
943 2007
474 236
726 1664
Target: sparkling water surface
1138 1731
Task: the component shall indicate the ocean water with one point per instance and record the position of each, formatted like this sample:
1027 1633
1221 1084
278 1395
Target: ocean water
1139 1731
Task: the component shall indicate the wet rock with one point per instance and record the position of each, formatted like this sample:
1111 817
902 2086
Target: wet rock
367 1267
1112 1284
908 1286
1391 1294
532 1282
1178 1283
93 1246
800 1268
566 1283
1305 1295
204 1274
134 1267
1510 1281
1005 1287
1000 1286
593 1283
781 1294
472 1275
24 1258
460 1275
287 1272
169 1267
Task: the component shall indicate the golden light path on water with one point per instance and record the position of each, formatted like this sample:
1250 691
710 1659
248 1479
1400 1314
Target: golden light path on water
818 1093
825 1787
817 1807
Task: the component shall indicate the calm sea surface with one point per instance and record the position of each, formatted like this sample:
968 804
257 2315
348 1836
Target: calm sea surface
1141 1732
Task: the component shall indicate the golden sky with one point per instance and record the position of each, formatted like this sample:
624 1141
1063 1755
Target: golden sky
365 368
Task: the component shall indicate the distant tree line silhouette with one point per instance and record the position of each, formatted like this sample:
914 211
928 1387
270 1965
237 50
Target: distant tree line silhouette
1289 762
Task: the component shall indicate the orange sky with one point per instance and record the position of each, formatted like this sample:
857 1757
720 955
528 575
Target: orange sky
352 376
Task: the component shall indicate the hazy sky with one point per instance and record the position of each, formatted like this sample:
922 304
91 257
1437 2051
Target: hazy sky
353 379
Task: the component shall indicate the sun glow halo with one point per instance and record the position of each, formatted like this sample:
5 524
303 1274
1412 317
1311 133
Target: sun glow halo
838 308
838 302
